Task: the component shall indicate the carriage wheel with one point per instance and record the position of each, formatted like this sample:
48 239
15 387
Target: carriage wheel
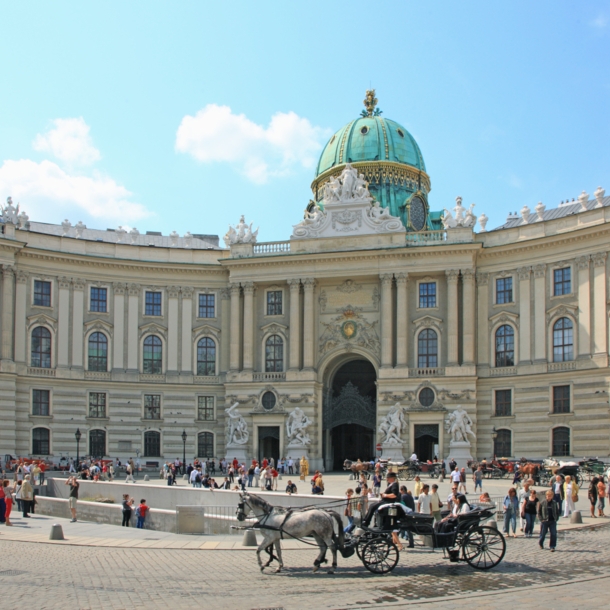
403 475
379 555
483 547
578 478
410 474
497 473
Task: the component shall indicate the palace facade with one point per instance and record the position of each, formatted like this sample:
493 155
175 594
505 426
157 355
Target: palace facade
374 300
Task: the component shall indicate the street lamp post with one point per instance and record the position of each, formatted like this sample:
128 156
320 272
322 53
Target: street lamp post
183 451
77 436
494 436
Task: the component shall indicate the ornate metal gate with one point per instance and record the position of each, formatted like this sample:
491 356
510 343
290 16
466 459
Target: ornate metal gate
350 407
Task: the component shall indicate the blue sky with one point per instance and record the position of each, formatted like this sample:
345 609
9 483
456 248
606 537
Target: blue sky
182 116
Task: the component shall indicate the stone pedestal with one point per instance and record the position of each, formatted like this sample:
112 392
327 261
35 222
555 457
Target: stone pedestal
237 451
393 453
296 452
460 452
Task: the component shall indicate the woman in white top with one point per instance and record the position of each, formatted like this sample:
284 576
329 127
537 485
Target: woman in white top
423 501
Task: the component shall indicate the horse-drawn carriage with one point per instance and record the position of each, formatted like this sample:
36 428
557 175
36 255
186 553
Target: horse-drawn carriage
552 468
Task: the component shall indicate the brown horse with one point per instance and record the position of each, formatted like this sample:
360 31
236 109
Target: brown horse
529 470
357 467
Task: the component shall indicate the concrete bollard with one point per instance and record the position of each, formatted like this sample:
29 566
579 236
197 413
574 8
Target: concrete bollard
146 477
57 533
491 523
576 517
249 538
185 477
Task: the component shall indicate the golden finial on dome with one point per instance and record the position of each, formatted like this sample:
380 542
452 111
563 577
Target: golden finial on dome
370 103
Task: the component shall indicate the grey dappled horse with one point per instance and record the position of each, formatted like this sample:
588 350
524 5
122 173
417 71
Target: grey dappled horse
277 522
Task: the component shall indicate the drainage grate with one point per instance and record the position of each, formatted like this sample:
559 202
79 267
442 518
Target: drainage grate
12 572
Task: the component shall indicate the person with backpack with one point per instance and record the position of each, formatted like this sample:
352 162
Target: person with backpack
141 514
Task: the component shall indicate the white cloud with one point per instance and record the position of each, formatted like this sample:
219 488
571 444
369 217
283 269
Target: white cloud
49 194
215 134
600 22
68 141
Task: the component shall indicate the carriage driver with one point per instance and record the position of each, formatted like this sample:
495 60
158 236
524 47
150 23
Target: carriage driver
391 494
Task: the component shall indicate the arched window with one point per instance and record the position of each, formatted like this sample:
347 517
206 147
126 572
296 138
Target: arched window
503 443
98 352
206 356
97 443
561 441
427 349
152 444
41 347
505 346
274 354
153 355
563 340
40 441
205 445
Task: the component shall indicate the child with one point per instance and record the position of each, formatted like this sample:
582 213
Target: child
141 514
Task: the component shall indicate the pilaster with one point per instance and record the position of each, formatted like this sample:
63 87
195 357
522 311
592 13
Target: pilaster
469 312
525 337
20 310
540 313
63 321
186 365
600 320
173 294
78 316
452 317
133 310
119 326
483 315
235 328
386 320
295 326
402 320
308 323
584 307
8 296
248 288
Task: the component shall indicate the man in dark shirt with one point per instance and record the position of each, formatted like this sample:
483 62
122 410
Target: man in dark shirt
548 513
391 494
407 499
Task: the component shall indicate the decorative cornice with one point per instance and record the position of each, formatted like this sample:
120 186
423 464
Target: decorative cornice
153 329
41 319
274 327
428 322
504 317
99 325
560 311
206 329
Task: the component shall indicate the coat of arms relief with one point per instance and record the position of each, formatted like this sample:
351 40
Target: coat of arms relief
349 329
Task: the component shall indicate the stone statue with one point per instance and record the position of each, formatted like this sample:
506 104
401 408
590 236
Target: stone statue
349 186
296 428
238 428
241 233
393 425
378 214
10 212
461 219
459 426
66 225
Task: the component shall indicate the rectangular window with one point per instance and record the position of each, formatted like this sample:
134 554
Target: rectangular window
97 404
561 399
152 406
503 403
205 408
207 306
504 290
99 299
42 293
153 304
274 303
562 281
427 294
41 401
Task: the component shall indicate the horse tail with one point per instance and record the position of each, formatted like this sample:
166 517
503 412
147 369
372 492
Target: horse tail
339 539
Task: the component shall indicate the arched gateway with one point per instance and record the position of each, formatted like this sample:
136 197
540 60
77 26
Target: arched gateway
350 407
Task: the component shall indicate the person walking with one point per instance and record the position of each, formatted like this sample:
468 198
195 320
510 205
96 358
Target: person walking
73 498
141 514
601 497
524 493
129 473
8 499
435 503
127 504
462 485
250 475
549 511
423 501
27 496
377 484
570 493
557 487
511 508
530 510
417 486
477 477
592 495
455 477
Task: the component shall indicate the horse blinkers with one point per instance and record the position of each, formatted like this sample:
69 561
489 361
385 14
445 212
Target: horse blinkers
241 511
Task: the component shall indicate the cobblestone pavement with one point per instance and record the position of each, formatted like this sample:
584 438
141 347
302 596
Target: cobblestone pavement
55 576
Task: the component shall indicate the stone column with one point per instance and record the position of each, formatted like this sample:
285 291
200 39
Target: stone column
295 325
468 313
584 307
78 315
186 365
402 320
525 337
133 305
8 296
483 316
540 326
600 326
452 317
173 293
235 328
386 320
308 323
63 322
248 325
20 323
119 326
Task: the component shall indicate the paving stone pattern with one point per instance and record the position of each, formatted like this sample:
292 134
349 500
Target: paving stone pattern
61 576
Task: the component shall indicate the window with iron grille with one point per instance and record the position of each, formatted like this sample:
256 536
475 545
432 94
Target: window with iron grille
40 441
41 347
505 346
205 445
504 403
427 349
153 355
207 306
99 299
41 402
97 443
427 294
274 303
98 352
152 444
561 399
274 354
504 290
206 356
561 441
562 281
153 304
503 443
42 293
152 406
563 340
97 404
205 408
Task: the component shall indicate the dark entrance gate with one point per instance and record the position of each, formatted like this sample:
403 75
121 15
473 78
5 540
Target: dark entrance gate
350 414
426 436
269 443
